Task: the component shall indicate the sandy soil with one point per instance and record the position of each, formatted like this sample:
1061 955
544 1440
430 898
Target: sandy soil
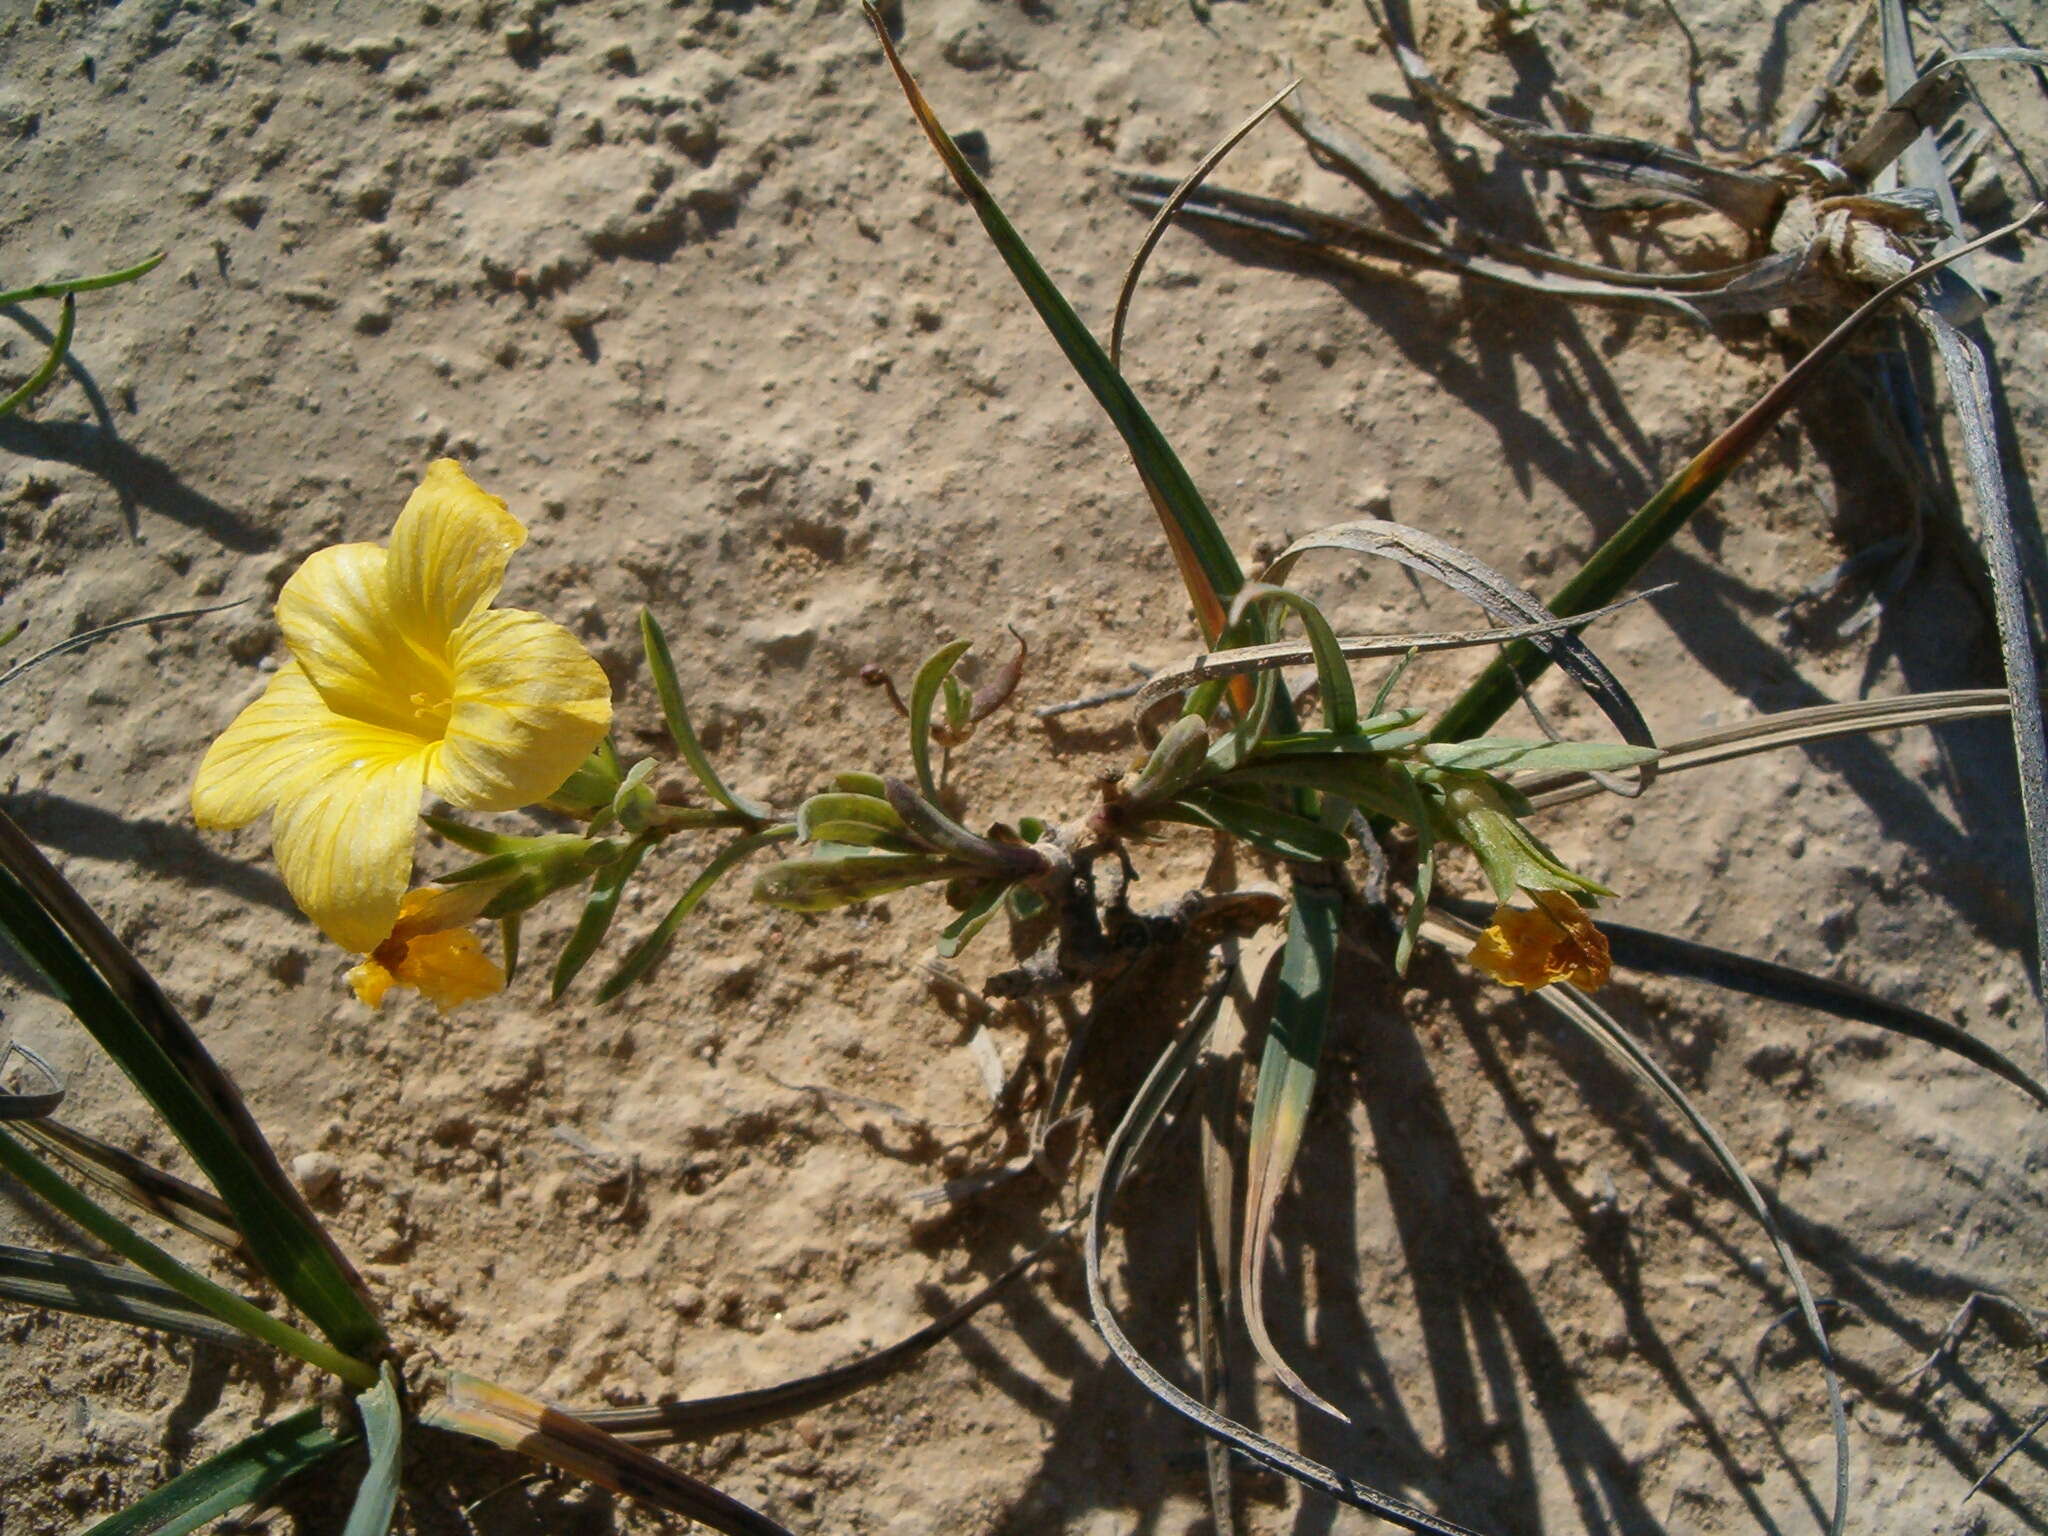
683 284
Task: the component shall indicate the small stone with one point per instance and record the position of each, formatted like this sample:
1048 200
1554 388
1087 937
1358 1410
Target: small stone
1997 997
619 59
317 1174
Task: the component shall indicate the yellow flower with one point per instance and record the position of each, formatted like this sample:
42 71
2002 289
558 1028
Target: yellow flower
1555 942
402 679
432 950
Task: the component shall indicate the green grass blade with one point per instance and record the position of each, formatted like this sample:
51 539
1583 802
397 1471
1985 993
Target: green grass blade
138 1250
239 1475
1340 699
383 1413
92 973
663 667
598 911
64 286
1287 1081
1207 565
115 1293
1617 561
924 692
643 956
37 382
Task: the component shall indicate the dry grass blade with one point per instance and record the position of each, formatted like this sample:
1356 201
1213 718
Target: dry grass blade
1748 199
1249 659
1967 367
119 1293
1587 1016
163 1195
1167 210
1343 243
1791 728
701 1418
1924 106
1473 579
502 1417
80 641
1126 1147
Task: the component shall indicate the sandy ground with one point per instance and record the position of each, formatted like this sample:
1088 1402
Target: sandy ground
683 284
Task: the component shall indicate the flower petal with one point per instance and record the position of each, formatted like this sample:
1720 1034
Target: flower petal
450 968
337 619
448 554
344 840
283 742
529 706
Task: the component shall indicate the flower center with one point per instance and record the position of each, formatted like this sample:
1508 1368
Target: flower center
430 714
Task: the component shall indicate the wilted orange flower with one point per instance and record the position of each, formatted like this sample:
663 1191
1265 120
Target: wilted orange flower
432 950
1556 941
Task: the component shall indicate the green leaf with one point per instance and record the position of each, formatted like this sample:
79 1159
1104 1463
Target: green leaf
64 286
1278 832
1484 754
383 1413
1287 1082
1178 760
598 911
241 1474
873 811
820 884
1204 556
869 784
1333 672
924 692
662 666
124 1010
961 931
37 382
959 707
508 935
236 1311
644 955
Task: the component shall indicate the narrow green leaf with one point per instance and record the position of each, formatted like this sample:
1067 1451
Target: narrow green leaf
869 784
508 935
65 286
662 666
1333 672
1204 556
598 910
241 1474
477 839
820 884
36 382
959 707
138 1250
820 810
924 692
1180 757
1287 1081
383 1414
1625 552
1277 832
120 1005
960 932
644 955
